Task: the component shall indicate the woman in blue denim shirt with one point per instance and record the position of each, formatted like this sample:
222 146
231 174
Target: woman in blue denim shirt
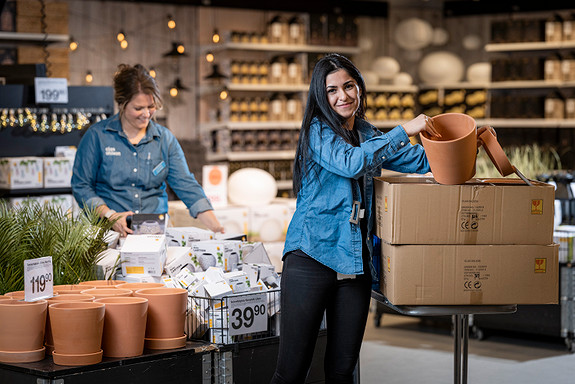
123 163
327 255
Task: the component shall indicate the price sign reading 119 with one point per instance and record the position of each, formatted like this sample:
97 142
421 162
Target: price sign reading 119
38 278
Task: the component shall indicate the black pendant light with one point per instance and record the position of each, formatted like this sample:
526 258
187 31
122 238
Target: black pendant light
216 76
176 51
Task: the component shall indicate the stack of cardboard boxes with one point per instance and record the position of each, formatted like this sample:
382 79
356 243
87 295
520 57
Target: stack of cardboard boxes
488 241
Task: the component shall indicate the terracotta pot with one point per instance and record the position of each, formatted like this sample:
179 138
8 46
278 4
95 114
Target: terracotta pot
6 297
124 326
135 286
166 317
452 156
78 297
103 283
22 326
65 289
99 293
18 295
77 329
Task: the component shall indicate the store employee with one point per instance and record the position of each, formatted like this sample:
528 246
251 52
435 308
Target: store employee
123 163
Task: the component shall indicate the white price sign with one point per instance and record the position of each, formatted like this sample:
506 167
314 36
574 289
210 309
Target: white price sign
51 90
38 278
248 314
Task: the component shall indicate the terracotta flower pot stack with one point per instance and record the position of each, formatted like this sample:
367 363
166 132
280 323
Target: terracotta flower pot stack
103 283
124 326
166 317
99 293
66 289
22 326
135 286
77 329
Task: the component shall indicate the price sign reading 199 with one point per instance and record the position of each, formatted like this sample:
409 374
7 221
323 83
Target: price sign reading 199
51 90
248 314
38 278
49 95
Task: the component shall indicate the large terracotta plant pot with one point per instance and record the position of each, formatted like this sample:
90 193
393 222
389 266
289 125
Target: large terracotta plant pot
48 338
99 293
124 326
18 295
135 286
22 326
77 329
452 156
166 317
66 289
103 283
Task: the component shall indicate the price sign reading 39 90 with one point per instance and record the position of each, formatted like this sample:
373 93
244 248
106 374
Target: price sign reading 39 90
248 314
38 278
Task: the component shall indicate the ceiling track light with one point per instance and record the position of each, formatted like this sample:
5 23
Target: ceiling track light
171 22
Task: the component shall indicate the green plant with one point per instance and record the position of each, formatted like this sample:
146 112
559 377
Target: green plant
531 160
33 230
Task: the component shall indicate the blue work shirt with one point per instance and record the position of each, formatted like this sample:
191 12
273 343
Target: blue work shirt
320 226
110 170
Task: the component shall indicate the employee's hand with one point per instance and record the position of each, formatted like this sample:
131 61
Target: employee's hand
419 124
208 218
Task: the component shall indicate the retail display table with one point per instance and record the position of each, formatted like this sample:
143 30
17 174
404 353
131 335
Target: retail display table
182 365
460 315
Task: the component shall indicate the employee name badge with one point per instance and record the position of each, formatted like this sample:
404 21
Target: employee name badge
158 168
38 278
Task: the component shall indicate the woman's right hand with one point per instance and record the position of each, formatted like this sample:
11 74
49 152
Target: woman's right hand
121 224
419 124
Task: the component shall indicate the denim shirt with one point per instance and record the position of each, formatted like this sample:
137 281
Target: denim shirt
320 226
109 170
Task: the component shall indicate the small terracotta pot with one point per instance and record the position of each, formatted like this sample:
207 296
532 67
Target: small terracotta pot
77 297
124 326
103 283
22 326
135 286
452 156
77 329
66 289
18 295
166 317
99 293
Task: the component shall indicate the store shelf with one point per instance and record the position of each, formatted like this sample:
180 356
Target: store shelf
532 84
456 85
296 48
527 123
251 125
234 87
251 156
19 38
530 46
392 88
34 192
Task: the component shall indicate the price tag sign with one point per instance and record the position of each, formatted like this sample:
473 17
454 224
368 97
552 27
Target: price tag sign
52 90
38 278
248 314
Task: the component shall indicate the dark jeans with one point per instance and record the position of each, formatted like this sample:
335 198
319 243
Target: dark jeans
309 288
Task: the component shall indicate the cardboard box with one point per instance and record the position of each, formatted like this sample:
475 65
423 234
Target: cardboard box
21 172
143 255
184 236
418 210
269 222
470 274
58 171
177 259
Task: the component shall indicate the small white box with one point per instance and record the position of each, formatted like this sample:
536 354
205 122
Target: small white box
214 275
209 253
108 264
58 171
269 222
63 202
177 259
169 282
186 278
143 254
238 281
65 151
197 288
21 172
141 279
217 290
184 236
232 254
254 252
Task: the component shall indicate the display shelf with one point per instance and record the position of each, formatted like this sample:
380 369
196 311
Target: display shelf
456 85
249 156
33 192
250 125
292 48
531 84
19 38
288 88
527 123
392 88
529 46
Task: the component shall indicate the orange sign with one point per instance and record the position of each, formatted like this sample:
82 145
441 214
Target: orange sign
385 203
537 207
540 265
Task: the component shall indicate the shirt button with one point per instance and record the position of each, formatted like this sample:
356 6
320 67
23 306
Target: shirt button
133 185
137 212
135 154
135 169
383 157
402 143
136 195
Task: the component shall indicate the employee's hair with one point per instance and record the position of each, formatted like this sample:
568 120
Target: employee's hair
318 106
131 80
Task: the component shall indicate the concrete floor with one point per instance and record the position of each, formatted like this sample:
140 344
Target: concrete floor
407 350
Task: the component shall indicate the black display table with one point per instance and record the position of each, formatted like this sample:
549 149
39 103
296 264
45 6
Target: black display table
460 315
183 365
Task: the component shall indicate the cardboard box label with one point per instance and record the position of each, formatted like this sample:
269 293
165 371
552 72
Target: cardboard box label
537 207
541 265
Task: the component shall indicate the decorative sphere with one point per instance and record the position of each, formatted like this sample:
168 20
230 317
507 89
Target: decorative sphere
441 67
471 42
413 34
251 186
479 72
385 67
370 78
440 36
403 78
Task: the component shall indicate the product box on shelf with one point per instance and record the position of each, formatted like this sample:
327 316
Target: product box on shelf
470 274
269 222
184 236
177 259
21 172
216 253
58 172
143 254
418 210
234 218
108 264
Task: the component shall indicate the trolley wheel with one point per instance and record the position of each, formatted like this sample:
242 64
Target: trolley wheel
478 333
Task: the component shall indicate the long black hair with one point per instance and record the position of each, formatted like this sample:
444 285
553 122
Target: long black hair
318 106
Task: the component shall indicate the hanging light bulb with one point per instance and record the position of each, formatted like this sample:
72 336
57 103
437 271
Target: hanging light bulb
89 77
180 48
73 44
176 51
176 87
224 94
216 36
124 44
121 35
171 22
209 57
173 91
153 72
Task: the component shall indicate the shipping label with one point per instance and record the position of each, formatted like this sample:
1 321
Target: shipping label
475 274
470 215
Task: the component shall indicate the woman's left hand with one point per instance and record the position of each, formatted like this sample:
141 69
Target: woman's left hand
209 219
